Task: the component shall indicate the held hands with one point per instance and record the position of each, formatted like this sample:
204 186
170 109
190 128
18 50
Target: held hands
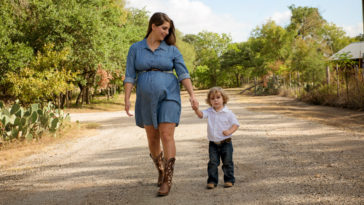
194 103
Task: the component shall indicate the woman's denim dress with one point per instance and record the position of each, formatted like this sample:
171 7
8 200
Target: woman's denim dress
158 94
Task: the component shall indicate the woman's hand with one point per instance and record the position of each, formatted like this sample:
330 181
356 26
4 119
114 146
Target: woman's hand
127 87
127 107
194 103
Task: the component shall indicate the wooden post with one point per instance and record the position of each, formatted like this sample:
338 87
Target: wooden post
328 75
362 6
347 84
337 80
357 75
357 81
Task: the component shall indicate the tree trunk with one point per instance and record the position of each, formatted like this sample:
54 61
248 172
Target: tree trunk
80 95
108 93
237 80
62 99
87 95
255 85
68 97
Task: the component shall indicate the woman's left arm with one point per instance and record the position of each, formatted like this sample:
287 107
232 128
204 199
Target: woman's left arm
188 85
183 75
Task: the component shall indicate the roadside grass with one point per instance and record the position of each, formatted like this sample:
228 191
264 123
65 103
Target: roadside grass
14 151
102 104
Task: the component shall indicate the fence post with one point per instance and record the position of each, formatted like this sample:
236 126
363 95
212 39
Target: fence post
337 80
328 75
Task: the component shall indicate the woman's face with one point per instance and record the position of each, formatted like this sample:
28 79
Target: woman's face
160 32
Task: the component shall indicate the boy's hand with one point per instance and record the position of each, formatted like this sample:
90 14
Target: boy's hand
195 105
226 132
230 131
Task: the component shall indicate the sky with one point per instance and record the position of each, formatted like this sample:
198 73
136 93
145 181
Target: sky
239 17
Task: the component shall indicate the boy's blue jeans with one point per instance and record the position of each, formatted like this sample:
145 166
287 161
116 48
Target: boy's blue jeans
225 152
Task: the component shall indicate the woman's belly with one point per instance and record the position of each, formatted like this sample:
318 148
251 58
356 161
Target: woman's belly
156 84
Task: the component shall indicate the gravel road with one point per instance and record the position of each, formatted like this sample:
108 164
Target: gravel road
278 160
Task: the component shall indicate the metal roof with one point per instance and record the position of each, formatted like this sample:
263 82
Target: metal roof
355 50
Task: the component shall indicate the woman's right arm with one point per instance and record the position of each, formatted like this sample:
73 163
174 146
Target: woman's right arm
127 89
130 76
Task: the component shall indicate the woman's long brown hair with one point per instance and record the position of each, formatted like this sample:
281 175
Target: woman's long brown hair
158 19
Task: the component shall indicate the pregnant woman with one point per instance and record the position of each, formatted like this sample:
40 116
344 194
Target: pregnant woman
150 65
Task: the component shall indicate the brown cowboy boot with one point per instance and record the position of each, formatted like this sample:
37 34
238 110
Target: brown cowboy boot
159 164
167 181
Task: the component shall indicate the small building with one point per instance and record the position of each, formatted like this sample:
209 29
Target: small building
355 52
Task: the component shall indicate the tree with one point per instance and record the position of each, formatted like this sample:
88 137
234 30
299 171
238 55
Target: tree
187 50
232 65
209 48
309 47
44 79
14 53
335 38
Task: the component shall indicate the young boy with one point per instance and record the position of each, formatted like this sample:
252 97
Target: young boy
221 124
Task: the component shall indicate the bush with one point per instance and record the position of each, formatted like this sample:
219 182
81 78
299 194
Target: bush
327 95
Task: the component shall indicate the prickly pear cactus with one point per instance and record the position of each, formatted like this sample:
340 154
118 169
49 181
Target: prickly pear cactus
17 122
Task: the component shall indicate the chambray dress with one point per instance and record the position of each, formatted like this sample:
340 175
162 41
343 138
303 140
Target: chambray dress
157 93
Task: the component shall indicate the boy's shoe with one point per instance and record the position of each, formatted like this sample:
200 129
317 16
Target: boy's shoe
210 186
228 184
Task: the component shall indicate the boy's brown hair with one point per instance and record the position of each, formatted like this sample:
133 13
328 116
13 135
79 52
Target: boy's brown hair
215 90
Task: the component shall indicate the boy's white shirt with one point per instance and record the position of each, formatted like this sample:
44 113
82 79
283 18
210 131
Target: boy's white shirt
217 122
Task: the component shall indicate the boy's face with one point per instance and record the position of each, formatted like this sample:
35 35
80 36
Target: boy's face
217 101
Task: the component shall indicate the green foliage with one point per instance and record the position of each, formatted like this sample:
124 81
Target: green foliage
48 46
306 22
14 53
201 76
233 65
188 52
307 60
209 48
44 78
21 123
335 38
91 32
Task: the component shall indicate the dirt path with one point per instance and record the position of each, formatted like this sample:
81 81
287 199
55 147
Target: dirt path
280 158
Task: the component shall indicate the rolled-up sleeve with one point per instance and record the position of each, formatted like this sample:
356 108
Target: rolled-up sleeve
130 73
179 65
